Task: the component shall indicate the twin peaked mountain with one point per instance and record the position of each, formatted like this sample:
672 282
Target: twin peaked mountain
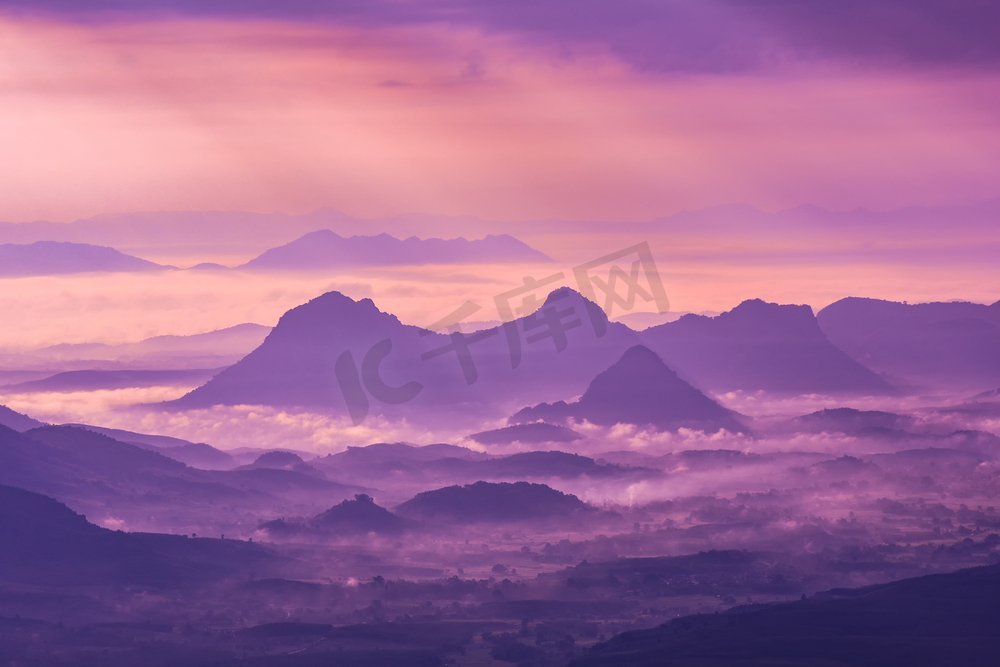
348 357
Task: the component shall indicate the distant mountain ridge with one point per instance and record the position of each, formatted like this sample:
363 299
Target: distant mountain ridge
211 349
325 249
244 231
45 258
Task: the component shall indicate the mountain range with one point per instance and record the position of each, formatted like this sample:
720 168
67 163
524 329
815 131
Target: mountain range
347 356
955 230
325 249
357 516
316 357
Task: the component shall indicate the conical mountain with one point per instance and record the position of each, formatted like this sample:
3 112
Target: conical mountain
639 389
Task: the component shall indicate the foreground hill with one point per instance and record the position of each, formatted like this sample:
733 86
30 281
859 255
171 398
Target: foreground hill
953 344
325 249
56 546
946 619
639 389
760 345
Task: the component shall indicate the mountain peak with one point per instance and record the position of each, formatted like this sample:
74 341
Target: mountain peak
567 296
639 389
759 318
321 235
640 354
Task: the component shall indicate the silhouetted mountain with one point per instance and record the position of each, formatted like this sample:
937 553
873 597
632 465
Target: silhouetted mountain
492 502
928 344
56 546
639 389
44 258
296 363
92 380
944 619
533 433
351 517
325 249
316 356
760 345
17 421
